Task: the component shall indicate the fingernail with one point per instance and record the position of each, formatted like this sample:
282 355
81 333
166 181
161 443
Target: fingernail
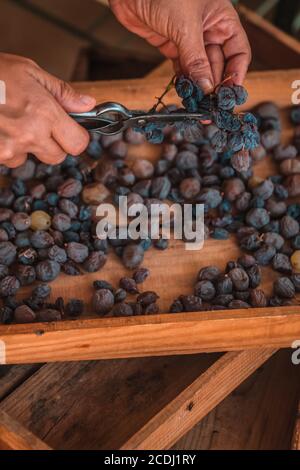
206 85
86 99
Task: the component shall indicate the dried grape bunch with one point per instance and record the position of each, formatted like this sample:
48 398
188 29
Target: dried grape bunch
234 132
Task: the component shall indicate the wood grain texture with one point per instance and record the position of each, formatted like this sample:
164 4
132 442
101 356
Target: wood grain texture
12 376
13 436
272 48
258 415
100 404
140 93
189 407
152 336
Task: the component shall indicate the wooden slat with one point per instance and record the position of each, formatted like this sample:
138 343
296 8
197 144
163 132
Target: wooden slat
140 93
12 376
197 400
165 69
13 436
258 415
272 48
151 336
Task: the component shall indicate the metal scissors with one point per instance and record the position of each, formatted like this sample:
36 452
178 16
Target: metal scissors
111 118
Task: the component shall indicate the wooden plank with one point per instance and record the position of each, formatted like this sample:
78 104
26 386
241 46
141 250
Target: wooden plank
271 47
13 436
140 93
180 415
151 336
258 415
165 69
100 404
296 435
12 376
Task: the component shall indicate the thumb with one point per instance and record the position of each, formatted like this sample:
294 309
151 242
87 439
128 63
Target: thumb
67 97
194 61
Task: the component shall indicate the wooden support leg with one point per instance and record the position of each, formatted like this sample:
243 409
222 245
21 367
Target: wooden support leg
193 403
13 436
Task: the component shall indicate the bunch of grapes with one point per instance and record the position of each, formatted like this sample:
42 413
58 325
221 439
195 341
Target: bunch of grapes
232 133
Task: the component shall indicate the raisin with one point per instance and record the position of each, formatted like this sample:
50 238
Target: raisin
103 301
239 278
24 314
284 287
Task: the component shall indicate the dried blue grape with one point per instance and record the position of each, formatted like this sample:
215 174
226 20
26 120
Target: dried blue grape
41 239
74 308
282 264
264 190
205 290
284 287
265 254
9 285
209 273
77 252
95 261
61 222
239 278
241 96
122 309
289 227
226 98
25 274
103 301
8 253
24 314
6 315
184 87
47 271
69 188
57 254
257 218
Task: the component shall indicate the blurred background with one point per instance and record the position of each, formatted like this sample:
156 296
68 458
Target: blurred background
81 39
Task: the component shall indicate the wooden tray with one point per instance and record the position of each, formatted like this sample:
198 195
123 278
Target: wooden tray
162 334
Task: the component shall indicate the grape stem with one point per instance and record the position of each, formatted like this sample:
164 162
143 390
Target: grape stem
227 79
159 99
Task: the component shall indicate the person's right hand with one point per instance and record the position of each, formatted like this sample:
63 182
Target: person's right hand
204 38
34 118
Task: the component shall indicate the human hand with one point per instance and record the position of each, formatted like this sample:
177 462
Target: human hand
34 118
204 38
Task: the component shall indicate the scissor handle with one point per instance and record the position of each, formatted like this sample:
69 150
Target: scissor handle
107 118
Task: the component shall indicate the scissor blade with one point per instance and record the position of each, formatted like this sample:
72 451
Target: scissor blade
141 120
93 123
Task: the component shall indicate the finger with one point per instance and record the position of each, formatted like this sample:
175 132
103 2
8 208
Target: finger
176 66
51 153
67 97
70 136
237 54
18 160
217 62
194 61
169 50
